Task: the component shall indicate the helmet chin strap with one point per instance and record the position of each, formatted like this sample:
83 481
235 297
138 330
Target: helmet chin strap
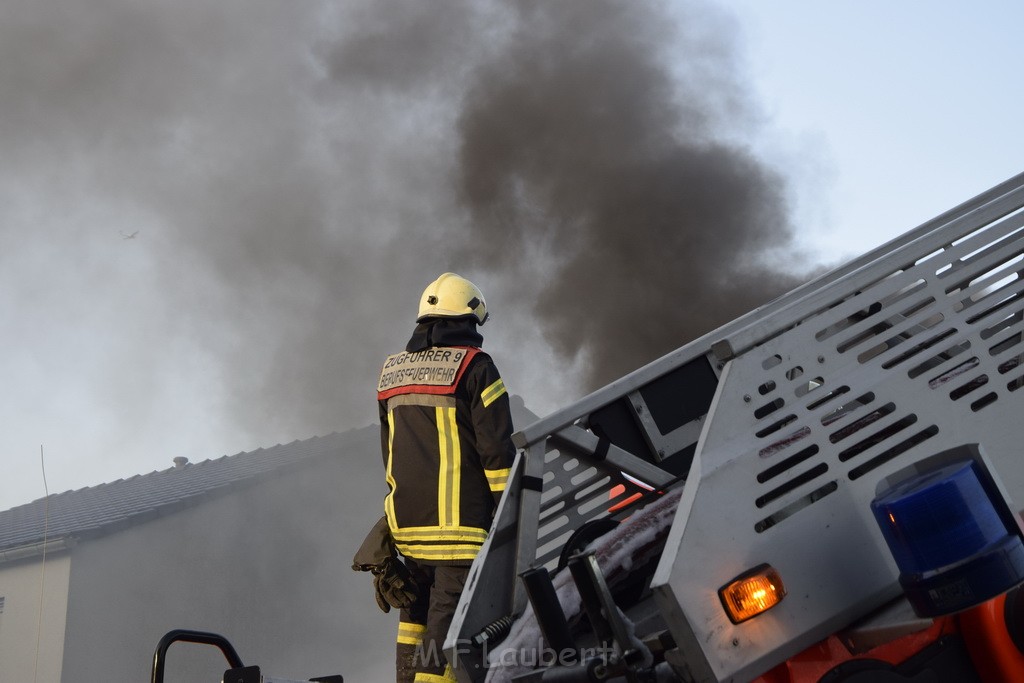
472 304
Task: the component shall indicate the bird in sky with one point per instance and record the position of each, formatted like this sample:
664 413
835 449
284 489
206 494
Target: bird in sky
129 237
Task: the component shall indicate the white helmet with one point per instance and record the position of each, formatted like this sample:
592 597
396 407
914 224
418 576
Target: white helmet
452 296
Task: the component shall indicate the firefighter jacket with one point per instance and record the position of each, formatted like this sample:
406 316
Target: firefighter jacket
446 432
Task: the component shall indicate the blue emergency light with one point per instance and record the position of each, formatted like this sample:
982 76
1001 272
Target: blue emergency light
951 545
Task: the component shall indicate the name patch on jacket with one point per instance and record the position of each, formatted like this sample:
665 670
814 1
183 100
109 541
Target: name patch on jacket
431 371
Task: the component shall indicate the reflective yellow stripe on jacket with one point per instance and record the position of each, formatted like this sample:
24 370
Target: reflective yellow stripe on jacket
389 499
449 476
496 479
492 393
445 543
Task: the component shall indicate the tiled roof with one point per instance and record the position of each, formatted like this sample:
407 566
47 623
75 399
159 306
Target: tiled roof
96 508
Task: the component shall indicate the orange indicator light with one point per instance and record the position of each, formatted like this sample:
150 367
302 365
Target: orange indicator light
751 593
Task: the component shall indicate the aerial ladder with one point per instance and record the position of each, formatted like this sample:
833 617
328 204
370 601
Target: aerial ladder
824 490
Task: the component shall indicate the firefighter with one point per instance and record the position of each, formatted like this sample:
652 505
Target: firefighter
446 430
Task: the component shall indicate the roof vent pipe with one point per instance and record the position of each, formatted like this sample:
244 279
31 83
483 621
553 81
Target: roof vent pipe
180 461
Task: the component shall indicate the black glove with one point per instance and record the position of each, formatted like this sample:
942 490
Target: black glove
393 585
375 548
391 579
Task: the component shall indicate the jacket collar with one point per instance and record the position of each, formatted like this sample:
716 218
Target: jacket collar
444 332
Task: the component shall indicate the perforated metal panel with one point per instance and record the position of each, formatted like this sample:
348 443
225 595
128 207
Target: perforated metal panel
917 353
574 492
949 325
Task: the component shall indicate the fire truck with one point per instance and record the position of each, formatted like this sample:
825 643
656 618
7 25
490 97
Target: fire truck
824 490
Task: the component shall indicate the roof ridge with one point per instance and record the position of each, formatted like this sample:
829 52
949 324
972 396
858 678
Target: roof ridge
116 503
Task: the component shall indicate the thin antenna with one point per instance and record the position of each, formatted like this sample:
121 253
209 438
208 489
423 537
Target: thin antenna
42 569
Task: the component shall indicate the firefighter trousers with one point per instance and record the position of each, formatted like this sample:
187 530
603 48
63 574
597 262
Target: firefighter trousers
423 626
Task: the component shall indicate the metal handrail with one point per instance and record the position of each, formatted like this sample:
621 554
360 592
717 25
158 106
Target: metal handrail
201 637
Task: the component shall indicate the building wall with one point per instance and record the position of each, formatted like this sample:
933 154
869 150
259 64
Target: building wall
32 630
268 567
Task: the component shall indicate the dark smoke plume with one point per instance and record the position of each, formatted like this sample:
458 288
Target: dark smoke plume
600 186
297 172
